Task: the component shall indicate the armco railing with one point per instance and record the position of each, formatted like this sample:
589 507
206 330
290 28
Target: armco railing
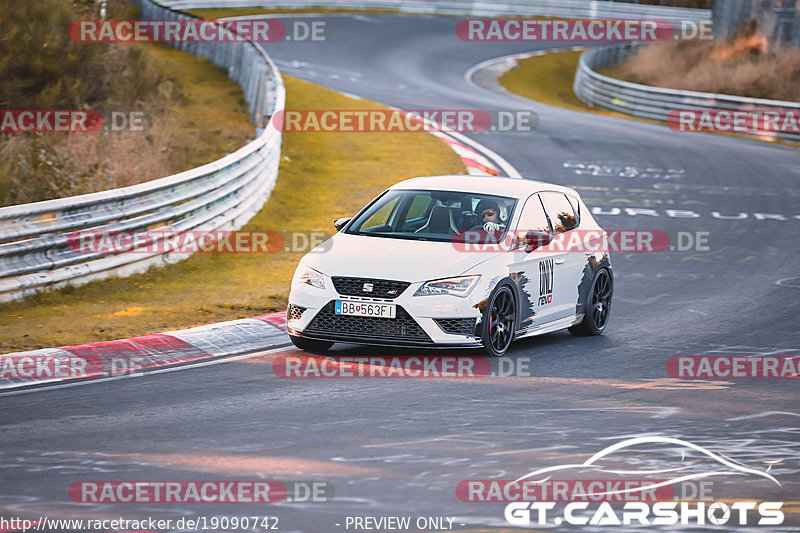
476 8
223 195
656 103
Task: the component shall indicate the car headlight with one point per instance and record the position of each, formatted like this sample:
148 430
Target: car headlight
308 275
460 286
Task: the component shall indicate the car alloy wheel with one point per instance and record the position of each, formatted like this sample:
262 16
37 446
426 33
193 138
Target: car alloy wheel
500 321
597 305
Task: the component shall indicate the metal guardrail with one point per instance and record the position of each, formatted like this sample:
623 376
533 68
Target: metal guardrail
656 103
223 195
476 8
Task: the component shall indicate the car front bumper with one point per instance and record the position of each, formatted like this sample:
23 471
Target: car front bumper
423 321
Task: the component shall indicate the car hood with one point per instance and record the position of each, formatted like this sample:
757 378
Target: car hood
399 259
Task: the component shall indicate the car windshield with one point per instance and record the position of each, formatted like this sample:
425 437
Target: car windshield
434 215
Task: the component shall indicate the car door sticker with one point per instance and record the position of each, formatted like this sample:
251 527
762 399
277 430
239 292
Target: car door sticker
545 281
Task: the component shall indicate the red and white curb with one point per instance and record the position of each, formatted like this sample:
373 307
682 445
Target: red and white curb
127 356
477 164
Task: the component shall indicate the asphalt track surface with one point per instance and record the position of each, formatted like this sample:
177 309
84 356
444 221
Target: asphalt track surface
399 447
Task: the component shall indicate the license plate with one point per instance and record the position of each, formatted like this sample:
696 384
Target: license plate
365 309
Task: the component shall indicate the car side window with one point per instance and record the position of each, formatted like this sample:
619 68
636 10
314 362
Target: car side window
419 207
559 210
576 207
533 217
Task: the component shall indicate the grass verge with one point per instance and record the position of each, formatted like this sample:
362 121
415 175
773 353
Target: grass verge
323 176
548 79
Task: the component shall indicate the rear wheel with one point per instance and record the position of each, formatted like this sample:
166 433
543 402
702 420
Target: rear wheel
499 321
597 307
310 345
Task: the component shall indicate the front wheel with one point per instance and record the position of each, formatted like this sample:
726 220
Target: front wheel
310 345
597 307
499 321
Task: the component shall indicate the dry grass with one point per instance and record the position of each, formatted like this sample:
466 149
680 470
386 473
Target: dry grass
197 115
740 67
323 176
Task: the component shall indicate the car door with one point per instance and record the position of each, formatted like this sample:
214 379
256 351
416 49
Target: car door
535 271
569 263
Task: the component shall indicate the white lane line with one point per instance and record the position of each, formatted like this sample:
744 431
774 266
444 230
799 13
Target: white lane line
512 60
78 383
762 415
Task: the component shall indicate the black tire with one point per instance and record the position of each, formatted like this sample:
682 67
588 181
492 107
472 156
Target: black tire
499 321
597 308
310 345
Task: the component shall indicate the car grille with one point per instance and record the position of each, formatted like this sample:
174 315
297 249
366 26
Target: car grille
401 327
295 312
381 288
457 326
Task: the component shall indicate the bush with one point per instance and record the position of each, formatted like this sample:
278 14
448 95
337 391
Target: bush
741 67
42 68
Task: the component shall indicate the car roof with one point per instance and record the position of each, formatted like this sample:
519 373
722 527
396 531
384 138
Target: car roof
518 188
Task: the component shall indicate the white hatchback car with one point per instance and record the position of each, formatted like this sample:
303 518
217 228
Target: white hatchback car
454 261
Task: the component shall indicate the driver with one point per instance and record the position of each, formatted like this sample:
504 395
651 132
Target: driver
489 216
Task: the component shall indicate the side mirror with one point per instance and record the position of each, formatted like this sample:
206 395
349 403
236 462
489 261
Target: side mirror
340 223
537 239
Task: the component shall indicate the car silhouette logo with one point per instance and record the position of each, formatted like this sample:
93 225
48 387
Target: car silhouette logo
368 287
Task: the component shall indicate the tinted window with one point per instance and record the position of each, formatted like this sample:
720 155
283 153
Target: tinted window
379 217
560 211
533 217
576 206
432 215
